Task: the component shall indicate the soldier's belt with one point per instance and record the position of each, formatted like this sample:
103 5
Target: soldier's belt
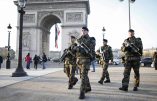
133 58
83 57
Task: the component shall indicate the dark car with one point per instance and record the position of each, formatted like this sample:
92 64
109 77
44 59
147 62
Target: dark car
56 60
146 61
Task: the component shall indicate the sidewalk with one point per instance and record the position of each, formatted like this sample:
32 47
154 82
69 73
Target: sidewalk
6 79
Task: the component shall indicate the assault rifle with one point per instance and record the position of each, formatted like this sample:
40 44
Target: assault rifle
102 54
133 47
66 52
85 48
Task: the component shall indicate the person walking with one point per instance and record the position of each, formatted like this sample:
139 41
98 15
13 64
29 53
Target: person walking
1 61
70 63
85 54
93 65
133 50
28 61
36 61
44 60
105 52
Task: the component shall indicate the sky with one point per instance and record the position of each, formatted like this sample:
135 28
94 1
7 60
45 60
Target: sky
111 14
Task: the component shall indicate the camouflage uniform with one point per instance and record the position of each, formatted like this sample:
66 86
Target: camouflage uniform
132 59
70 65
105 53
84 61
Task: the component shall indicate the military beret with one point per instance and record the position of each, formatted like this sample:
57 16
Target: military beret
130 30
85 28
105 40
73 37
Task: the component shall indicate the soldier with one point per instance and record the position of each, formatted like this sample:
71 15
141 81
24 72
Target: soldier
105 52
85 54
133 50
155 60
70 63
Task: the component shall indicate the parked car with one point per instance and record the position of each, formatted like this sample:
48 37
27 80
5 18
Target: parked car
56 60
146 61
116 61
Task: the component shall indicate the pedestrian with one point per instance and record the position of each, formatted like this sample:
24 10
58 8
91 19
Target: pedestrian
44 60
85 54
70 63
36 61
133 50
77 70
1 61
155 60
28 60
105 52
93 65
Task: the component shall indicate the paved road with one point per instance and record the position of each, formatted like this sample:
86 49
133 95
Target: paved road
53 87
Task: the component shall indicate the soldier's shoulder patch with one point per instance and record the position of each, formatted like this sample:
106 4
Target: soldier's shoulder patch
138 40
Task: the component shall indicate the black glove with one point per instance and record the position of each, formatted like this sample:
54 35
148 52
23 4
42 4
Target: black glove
129 48
81 50
76 48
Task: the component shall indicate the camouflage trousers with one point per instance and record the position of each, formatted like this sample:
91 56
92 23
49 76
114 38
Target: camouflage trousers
135 65
84 66
70 72
105 73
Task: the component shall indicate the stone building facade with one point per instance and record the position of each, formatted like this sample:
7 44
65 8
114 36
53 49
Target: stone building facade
41 15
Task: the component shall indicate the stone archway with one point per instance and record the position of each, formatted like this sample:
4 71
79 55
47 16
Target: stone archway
41 15
46 23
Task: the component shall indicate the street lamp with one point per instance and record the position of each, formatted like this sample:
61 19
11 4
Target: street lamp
8 57
129 1
19 70
103 30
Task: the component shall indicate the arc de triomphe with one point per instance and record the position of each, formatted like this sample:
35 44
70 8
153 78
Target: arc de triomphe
41 15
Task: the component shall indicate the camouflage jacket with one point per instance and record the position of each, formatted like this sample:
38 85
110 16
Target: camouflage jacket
106 52
71 55
89 43
134 49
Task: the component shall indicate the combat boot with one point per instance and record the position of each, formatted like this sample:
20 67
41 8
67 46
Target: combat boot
135 89
82 95
123 88
107 81
75 81
70 86
101 82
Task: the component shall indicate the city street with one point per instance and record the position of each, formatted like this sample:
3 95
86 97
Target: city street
46 32
53 86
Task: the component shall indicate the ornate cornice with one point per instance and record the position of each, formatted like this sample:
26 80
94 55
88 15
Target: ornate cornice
41 14
53 4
